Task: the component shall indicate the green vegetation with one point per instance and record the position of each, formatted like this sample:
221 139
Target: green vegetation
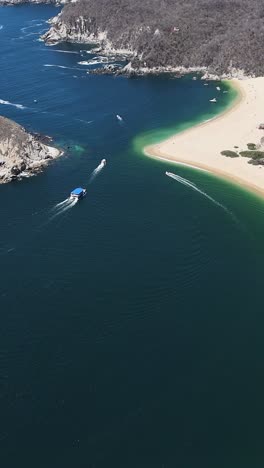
251 146
229 154
252 154
207 33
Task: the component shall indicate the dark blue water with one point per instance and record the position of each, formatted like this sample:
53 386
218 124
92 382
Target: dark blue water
131 325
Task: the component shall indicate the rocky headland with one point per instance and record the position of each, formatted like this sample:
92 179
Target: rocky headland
22 154
216 37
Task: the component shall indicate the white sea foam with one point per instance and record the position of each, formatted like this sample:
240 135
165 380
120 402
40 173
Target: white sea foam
7 103
1 27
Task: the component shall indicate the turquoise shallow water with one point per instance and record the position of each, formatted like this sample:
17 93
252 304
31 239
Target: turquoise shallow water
131 325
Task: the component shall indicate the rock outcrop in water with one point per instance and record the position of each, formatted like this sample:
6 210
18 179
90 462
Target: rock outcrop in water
22 153
220 36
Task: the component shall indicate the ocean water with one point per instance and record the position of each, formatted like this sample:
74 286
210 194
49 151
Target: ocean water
131 323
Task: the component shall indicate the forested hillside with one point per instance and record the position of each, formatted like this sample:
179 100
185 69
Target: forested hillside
217 34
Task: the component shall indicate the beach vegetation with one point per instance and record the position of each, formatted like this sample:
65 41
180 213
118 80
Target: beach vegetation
251 146
229 154
256 162
252 154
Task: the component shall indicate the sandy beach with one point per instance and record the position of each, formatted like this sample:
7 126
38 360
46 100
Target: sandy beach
201 145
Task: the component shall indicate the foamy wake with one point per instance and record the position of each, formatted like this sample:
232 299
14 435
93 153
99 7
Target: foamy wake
64 51
187 183
7 103
61 66
97 171
1 27
25 29
65 205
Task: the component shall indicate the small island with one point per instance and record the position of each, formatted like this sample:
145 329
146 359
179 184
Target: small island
22 153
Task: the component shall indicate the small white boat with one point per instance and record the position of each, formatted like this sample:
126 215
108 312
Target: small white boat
119 117
218 88
213 100
103 162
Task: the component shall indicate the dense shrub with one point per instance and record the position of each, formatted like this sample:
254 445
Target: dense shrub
252 154
229 154
251 146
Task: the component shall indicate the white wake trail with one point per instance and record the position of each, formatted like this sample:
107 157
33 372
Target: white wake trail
65 206
187 183
96 171
7 103
61 204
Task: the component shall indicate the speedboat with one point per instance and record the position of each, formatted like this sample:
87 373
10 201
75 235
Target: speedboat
213 100
78 193
103 162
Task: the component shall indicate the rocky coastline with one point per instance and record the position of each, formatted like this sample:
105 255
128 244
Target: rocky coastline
23 153
166 37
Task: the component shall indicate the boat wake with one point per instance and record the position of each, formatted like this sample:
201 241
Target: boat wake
187 183
1 27
7 103
63 206
61 66
97 171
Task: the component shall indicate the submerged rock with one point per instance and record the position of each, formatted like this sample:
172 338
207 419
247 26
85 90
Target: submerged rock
22 153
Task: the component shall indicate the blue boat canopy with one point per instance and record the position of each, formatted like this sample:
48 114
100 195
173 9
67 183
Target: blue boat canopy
77 191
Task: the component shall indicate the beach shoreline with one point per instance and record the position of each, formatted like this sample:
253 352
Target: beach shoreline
200 146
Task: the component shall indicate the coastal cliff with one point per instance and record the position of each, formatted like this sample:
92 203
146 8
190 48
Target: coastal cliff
222 37
22 153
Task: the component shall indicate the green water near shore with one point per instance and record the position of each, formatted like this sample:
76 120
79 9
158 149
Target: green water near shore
152 137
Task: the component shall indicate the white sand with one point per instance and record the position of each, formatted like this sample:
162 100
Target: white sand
201 145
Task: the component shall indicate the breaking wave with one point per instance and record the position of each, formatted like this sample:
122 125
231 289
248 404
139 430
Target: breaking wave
7 103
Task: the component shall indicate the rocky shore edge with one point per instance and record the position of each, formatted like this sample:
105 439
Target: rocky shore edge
23 153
